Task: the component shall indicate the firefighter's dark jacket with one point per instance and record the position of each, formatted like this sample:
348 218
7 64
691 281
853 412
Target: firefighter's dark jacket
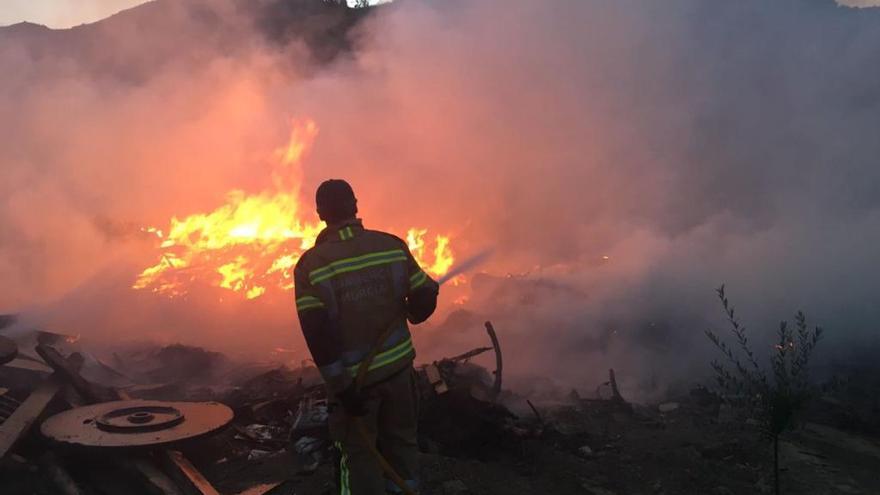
350 288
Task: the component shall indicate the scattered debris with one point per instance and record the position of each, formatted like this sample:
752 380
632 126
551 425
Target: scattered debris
432 373
19 422
475 438
135 423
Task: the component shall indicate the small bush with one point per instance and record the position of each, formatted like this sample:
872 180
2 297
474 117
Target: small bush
774 399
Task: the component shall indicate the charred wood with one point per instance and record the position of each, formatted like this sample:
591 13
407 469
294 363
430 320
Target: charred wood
185 474
20 421
89 391
496 387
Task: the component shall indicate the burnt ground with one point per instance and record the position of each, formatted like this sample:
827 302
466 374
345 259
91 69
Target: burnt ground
470 442
683 452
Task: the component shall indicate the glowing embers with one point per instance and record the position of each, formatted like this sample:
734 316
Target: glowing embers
250 244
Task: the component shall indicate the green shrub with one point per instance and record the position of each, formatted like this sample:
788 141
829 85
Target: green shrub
773 398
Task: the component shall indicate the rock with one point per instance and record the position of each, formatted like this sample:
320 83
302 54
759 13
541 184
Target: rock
586 452
668 407
454 487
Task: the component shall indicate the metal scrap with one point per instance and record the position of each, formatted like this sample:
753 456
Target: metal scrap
496 387
432 372
135 423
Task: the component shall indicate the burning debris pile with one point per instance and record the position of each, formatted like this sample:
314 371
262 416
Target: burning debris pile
145 422
184 420
250 244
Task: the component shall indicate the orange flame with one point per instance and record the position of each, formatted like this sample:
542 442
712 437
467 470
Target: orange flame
442 254
251 243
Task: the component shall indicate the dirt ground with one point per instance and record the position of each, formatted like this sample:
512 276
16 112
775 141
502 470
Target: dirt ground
692 443
685 451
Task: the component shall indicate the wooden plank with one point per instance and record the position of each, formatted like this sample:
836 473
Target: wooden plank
24 363
27 413
185 474
180 469
261 489
89 391
154 480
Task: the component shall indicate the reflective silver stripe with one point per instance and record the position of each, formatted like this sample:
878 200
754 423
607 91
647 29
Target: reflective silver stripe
354 357
336 368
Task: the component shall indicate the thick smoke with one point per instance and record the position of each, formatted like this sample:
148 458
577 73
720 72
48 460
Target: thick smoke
623 159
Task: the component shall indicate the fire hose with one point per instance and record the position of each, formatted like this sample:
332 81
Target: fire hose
361 377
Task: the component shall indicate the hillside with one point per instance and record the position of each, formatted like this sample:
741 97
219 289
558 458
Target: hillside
135 43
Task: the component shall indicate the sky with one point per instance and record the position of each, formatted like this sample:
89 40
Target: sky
64 13
61 13
68 13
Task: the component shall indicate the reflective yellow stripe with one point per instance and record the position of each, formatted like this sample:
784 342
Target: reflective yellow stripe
346 233
390 356
355 263
329 267
308 302
417 280
344 477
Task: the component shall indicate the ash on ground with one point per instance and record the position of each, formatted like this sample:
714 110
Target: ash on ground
475 436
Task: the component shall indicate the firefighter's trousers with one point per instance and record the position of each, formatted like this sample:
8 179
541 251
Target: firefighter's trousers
391 426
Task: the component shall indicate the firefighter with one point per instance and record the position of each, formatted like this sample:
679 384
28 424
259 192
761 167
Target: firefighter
351 288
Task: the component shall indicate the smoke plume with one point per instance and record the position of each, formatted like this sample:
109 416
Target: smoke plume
623 159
